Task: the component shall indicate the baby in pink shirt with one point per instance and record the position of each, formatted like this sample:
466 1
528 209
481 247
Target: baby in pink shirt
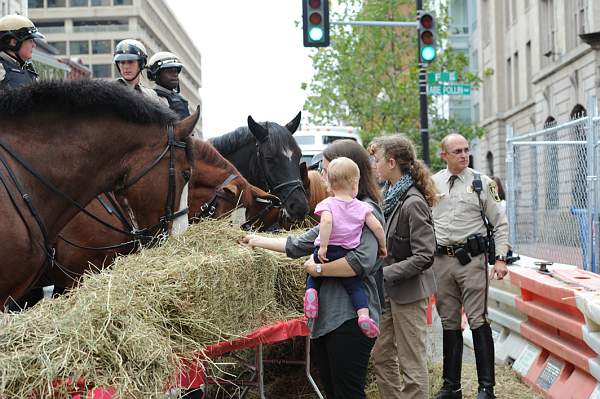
342 220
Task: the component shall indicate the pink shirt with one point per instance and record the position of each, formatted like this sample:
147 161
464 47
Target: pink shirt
348 220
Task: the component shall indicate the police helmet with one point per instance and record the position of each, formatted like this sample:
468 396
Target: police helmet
162 60
131 50
19 28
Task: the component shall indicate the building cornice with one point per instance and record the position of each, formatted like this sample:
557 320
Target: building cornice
572 56
503 116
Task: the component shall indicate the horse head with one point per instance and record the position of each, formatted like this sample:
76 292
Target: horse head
217 188
165 180
278 159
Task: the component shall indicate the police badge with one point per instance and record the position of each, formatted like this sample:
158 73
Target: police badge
493 187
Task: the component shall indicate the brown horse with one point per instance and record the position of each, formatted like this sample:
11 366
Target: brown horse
216 188
62 144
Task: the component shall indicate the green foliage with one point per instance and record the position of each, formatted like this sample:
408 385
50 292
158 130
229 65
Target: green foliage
368 77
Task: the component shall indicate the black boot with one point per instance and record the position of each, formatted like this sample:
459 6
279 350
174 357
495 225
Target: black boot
483 343
453 350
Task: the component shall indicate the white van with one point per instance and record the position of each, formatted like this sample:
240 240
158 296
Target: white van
313 139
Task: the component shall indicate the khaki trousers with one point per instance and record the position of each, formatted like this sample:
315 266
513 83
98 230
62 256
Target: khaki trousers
400 353
460 286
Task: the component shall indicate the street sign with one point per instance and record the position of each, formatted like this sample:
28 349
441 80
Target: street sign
447 76
448 90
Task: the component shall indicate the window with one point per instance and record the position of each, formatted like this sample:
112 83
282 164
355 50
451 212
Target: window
101 47
579 189
56 3
485 21
79 47
60 46
552 181
528 71
547 31
78 3
457 11
102 70
96 3
514 11
123 2
516 78
489 158
51 27
35 3
331 139
509 97
305 140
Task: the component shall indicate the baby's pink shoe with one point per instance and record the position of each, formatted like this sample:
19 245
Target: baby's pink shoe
368 326
311 303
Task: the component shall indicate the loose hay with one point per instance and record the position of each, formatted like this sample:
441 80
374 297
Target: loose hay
131 327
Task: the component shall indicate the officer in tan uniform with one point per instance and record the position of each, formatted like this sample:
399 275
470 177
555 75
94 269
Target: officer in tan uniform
130 57
460 265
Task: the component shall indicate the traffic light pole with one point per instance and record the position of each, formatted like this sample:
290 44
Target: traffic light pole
424 122
423 98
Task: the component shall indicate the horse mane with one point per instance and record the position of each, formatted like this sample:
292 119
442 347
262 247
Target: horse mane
240 137
205 151
90 97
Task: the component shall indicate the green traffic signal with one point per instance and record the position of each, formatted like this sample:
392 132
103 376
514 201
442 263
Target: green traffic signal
427 53
315 34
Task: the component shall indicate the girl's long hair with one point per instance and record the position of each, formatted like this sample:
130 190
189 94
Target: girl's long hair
402 150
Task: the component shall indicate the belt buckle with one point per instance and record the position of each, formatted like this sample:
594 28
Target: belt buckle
450 251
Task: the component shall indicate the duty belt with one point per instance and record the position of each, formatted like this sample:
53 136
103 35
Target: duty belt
449 251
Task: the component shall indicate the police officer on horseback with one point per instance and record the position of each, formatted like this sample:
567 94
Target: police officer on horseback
16 50
164 69
130 58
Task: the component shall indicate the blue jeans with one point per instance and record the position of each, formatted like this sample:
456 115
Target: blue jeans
354 285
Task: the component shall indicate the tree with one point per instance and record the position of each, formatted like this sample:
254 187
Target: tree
368 77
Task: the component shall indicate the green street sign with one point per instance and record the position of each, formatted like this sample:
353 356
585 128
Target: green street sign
447 76
448 90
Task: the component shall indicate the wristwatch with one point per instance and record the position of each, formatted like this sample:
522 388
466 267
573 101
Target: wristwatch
319 268
501 258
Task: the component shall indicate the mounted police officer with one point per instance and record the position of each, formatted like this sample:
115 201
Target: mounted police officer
471 231
16 49
164 69
130 57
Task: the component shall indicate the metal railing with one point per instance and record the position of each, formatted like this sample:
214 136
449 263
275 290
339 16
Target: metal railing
552 190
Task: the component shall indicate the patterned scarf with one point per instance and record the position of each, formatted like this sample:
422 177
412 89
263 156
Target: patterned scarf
392 195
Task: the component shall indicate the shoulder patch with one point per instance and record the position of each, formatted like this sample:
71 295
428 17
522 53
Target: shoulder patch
2 72
493 187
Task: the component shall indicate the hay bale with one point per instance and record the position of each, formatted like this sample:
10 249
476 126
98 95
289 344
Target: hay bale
131 327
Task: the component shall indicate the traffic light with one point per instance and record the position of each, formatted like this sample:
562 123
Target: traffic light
426 36
315 23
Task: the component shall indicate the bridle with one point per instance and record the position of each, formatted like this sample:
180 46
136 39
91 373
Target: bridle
208 209
275 189
141 235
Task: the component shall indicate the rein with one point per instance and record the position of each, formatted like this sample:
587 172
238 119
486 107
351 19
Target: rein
137 234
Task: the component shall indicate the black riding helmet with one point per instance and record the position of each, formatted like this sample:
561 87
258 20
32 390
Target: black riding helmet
130 50
19 28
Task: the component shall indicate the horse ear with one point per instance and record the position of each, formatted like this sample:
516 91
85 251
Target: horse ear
292 126
185 127
257 129
233 189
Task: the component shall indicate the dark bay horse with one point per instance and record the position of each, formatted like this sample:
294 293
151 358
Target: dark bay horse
269 158
215 189
62 144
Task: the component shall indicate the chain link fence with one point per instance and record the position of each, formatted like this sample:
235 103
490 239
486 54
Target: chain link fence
552 189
